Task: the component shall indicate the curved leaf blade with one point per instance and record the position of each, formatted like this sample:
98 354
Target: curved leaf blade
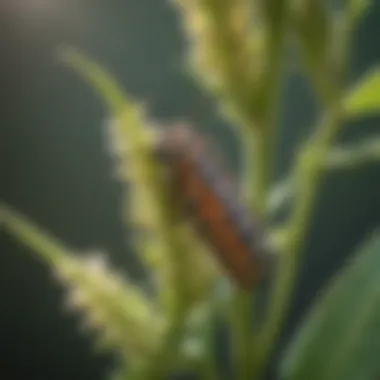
340 339
364 99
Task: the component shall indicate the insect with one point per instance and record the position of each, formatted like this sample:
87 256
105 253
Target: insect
208 195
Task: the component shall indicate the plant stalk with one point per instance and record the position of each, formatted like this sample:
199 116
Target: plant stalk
259 148
308 174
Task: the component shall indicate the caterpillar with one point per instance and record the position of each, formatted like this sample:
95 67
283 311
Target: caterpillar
209 196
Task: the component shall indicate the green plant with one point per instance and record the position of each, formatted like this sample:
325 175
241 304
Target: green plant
237 52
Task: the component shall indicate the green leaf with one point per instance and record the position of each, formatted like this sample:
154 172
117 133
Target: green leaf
96 76
358 8
351 157
364 99
340 339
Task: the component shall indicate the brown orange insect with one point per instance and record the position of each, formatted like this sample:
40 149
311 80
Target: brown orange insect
208 195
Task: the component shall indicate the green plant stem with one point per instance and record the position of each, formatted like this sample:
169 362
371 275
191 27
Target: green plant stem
254 191
253 181
161 363
209 367
308 174
241 323
278 14
259 150
242 305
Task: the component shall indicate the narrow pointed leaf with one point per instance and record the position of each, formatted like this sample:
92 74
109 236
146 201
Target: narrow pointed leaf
350 157
340 339
358 8
365 97
98 78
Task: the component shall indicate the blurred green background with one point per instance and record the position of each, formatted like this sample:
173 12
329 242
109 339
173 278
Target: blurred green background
55 167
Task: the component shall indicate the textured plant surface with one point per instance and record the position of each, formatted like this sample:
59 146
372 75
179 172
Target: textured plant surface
237 52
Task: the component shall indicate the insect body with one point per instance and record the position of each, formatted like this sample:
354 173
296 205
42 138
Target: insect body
210 198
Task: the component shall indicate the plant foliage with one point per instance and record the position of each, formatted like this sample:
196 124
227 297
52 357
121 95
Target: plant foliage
237 52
